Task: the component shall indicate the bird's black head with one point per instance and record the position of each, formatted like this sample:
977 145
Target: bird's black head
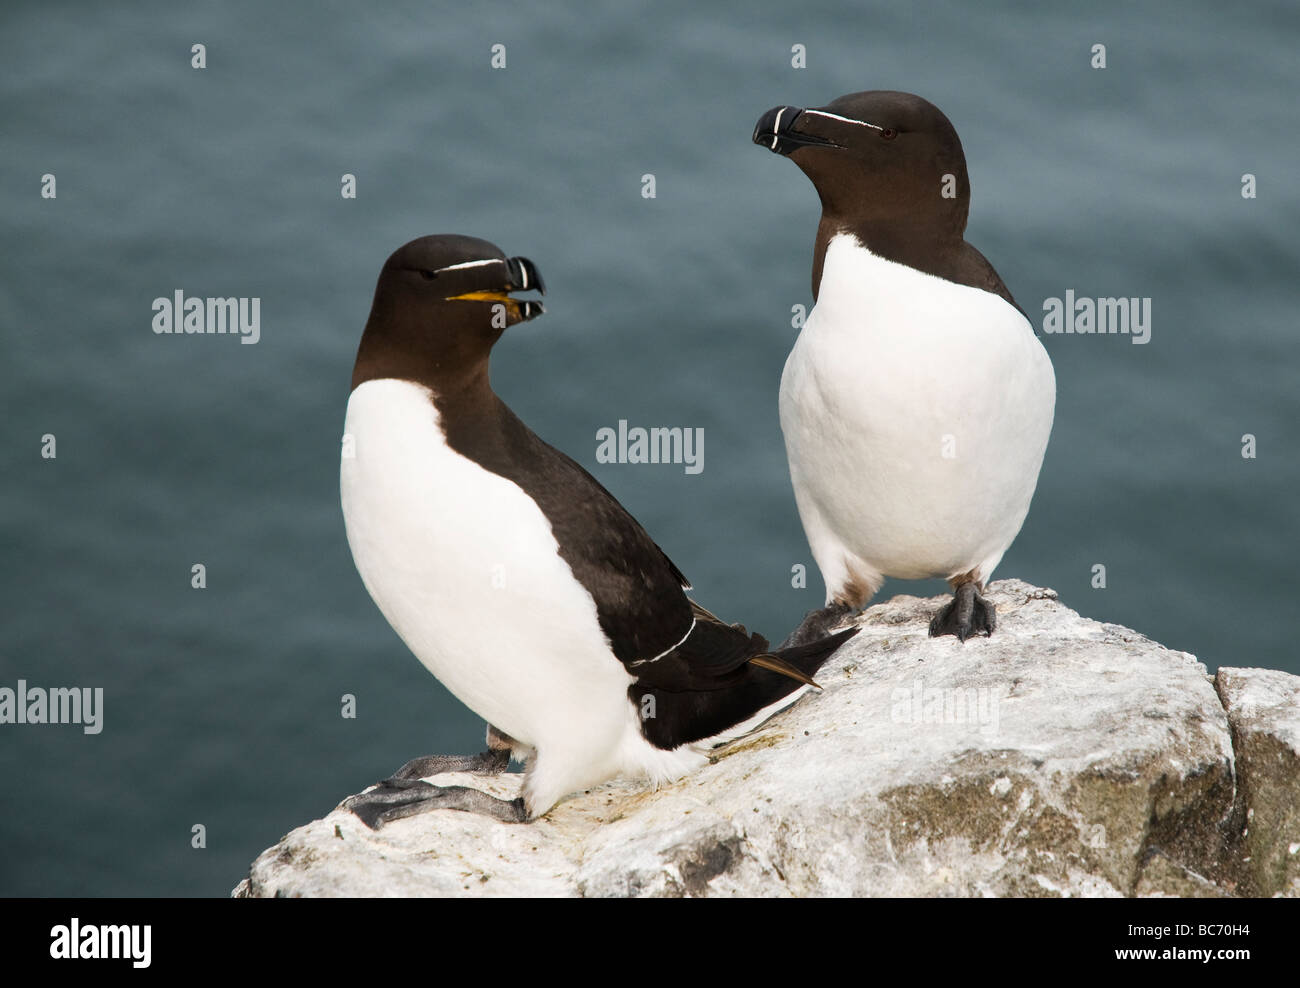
876 158
440 305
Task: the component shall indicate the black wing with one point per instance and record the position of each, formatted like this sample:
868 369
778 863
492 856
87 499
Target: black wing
640 595
705 675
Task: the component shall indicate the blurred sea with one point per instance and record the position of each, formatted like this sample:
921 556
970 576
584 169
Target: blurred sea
222 705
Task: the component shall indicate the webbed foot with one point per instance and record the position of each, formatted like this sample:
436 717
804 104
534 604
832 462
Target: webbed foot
394 799
818 624
968 614
490 762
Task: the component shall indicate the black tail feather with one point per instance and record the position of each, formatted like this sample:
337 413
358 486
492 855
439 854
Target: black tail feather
808 658
673 718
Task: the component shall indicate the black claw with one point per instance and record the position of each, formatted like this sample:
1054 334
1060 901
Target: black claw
395 799
967 614
397 782
817 624
405 793
490 762
375 808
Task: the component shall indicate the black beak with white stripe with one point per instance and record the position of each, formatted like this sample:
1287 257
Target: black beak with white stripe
784 129
495 279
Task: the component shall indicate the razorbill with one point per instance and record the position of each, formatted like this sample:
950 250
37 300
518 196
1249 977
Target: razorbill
515 577
917 402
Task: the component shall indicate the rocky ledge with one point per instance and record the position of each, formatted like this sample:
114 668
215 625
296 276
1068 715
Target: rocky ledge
1060 757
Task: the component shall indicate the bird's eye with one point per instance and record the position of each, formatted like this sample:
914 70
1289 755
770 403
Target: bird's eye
427 275
888 134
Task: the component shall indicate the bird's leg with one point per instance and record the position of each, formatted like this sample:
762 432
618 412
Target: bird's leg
493 761
969 613
394 799
485 763
404 793
817 624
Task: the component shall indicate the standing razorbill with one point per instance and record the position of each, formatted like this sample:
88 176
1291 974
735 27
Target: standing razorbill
917 402
515 577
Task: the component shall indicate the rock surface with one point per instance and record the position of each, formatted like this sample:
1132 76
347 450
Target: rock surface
1060 757
1264 713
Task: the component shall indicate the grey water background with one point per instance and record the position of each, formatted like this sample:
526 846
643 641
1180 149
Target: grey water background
223 705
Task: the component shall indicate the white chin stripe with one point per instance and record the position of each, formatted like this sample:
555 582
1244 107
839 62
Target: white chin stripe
847 120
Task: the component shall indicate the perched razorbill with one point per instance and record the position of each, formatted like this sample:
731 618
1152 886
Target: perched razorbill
917 402
515 577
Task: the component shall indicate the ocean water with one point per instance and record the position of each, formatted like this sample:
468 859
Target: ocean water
222 705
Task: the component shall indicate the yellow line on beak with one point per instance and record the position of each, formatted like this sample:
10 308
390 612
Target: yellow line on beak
481 297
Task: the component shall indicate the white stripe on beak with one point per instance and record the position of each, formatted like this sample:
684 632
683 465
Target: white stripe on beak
776 127
470 264
847 120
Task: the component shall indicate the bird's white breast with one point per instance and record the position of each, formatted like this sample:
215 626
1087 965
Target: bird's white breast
465 567
916 412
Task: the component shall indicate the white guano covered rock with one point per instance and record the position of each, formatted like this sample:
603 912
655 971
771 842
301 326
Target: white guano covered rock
1060 757
1264 710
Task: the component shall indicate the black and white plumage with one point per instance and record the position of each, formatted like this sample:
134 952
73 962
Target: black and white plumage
917 402
511 573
